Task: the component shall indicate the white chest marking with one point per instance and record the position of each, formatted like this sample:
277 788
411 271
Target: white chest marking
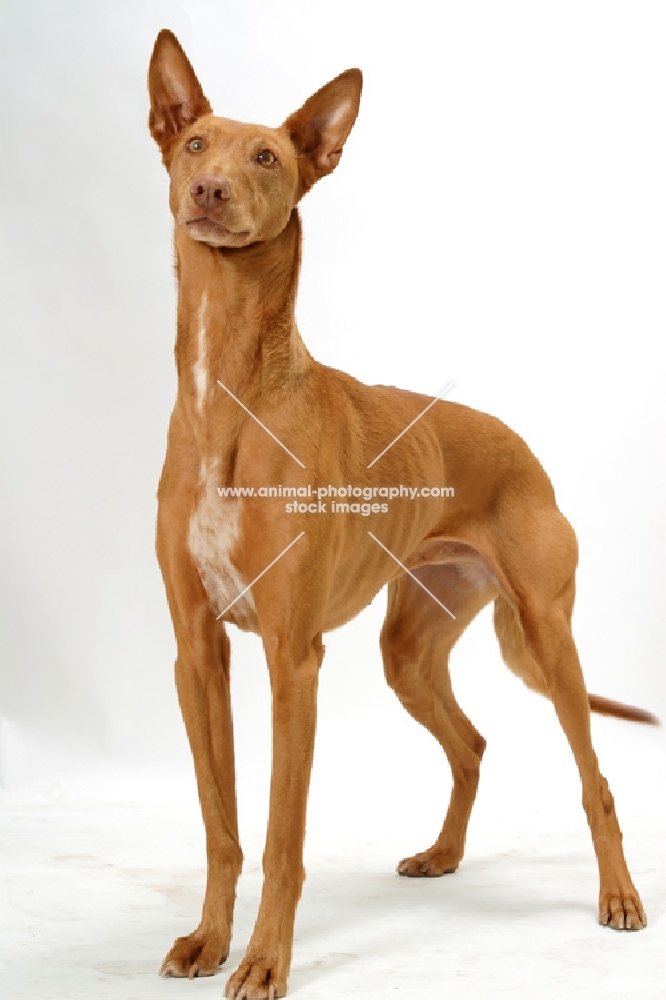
213 534
200 368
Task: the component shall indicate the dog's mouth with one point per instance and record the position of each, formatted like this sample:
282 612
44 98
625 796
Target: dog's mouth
207 230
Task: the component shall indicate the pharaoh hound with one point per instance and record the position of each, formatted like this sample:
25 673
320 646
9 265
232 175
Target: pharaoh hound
254 407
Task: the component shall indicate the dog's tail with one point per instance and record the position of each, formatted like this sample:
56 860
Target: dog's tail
520 661
604 706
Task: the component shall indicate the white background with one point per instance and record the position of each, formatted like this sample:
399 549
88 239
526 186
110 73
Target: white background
498 217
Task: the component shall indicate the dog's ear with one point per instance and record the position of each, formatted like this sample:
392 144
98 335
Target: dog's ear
320 128
176 97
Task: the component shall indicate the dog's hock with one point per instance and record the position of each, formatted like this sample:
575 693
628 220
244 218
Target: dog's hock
176 97
320 128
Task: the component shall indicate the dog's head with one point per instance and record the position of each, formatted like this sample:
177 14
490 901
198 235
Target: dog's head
234 184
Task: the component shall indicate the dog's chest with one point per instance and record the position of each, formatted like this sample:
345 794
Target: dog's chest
213 535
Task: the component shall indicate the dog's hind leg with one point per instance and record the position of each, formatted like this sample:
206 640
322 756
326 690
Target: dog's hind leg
537 559
416 640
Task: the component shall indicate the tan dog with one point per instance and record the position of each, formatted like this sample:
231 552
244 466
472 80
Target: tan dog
290 574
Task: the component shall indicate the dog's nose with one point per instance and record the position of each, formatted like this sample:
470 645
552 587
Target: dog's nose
207 190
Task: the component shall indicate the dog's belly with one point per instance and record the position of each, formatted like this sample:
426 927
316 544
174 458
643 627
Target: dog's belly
212 536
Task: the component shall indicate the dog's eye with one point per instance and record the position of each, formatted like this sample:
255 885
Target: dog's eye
195 145
266 158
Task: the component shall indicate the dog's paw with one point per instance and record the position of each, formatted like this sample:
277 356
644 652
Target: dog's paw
429 864
256 980
198 954
623 911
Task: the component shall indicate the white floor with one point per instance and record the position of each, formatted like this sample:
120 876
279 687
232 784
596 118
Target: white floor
93 894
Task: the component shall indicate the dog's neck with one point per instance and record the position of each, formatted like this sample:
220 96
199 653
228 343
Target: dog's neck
236 322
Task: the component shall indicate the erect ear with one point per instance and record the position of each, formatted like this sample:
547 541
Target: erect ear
176 97
320 128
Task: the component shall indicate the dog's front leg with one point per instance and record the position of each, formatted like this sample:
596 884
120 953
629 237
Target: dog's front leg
205 704
294 674
202 681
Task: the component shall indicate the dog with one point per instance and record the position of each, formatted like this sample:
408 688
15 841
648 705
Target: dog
253 406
